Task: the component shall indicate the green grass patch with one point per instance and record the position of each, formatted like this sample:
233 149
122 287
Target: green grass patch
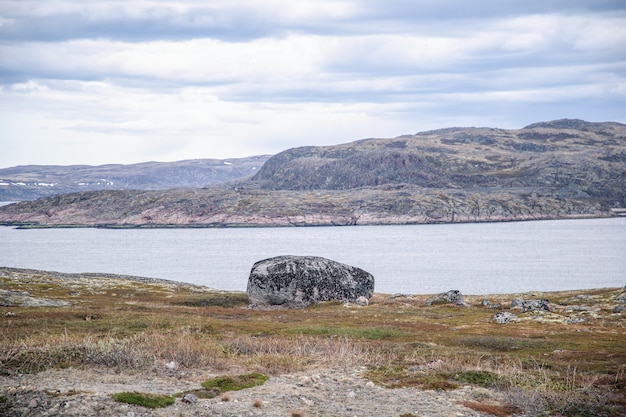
235 383
144 399
367 333
500 344
400 377
482 378
234 299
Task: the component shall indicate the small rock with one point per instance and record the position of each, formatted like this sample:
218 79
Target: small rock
189 399
575 320
399 295
619 309
171 365
535 305
489 304
362 301
450 297
504 317
530 305
576 308
306 401
9 314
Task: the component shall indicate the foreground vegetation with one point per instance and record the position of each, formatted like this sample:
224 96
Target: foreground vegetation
543 366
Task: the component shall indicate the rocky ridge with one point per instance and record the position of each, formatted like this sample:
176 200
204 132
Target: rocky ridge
559 169
29 182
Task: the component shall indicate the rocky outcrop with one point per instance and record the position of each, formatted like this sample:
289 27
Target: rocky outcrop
298 281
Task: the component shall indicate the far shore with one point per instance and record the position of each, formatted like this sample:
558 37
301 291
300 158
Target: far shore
614 213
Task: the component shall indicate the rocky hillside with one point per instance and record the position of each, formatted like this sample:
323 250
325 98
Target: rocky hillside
572 157
35 181
563 168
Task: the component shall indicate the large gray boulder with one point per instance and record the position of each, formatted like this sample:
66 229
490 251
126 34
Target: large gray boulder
298 281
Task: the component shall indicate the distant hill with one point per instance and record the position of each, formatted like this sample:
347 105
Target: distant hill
571 157
558 169
34 181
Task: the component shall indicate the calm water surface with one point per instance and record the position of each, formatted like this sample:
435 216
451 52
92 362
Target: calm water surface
474 258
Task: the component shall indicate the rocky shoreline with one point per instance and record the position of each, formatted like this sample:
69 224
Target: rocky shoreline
306 221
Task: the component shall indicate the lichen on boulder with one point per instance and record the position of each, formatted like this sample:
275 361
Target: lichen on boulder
299 281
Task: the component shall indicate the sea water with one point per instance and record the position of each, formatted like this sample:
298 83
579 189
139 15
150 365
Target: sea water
475 258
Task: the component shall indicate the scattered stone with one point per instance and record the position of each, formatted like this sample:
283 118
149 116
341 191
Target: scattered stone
504 317
516 304
535 305
621 298
299 281
171 365
577 308
9 298
619 309
306 401
189 399
530 305
399 295
450 297
489 304
9 314
362 301
575 320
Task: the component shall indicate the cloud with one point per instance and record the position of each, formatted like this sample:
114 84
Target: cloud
177 79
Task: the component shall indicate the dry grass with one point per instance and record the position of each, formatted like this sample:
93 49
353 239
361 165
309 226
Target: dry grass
540 367
491 409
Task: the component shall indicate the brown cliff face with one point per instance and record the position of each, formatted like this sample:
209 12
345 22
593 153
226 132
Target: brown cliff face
564 168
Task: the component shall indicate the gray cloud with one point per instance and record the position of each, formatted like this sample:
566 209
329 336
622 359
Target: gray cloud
268 75
44 21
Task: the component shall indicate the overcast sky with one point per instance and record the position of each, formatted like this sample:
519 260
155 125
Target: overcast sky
95 82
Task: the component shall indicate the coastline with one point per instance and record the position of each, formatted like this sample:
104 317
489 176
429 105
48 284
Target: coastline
290 223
